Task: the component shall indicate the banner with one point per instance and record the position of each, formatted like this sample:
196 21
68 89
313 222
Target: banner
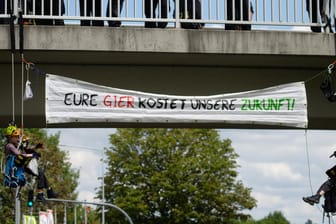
46 217
43 217
69 100
29 219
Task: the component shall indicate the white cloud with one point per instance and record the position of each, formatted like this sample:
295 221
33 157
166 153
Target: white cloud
89 165
267 200
276 171
293 208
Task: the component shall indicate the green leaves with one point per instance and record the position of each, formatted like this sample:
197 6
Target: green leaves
174 176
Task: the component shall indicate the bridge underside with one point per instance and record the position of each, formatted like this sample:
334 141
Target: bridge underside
168 61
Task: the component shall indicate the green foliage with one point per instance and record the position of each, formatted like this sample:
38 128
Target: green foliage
274 218
55 163
248 221
174 176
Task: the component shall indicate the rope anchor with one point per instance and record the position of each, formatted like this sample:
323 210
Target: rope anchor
29 66
330 68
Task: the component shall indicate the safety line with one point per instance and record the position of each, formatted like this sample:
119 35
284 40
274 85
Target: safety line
22 65
22 91
12 36
308 163
309 173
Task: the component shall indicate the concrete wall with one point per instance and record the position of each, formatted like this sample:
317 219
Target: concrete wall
169 61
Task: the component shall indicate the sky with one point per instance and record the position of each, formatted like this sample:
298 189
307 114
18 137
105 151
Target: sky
274 163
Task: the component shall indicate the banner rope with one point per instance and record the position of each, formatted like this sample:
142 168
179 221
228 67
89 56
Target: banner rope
329 69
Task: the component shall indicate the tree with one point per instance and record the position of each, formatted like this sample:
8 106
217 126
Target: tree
274 218
61 176
309 222
174 176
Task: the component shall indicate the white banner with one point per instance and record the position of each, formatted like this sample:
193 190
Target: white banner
46 217
43 217
70 100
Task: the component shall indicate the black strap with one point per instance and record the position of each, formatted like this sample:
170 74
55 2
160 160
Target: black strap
328 87
37 71
21 31
12 32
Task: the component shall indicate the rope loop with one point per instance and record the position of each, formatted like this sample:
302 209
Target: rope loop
330 68
28 65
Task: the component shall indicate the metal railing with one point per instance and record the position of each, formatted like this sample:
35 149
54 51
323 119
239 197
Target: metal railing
128 218
212 13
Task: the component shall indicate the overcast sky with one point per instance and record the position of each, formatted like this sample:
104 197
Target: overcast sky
273 163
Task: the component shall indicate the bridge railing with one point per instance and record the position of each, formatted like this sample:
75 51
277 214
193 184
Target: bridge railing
212 13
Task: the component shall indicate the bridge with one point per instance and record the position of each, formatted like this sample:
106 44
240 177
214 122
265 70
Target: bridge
173 60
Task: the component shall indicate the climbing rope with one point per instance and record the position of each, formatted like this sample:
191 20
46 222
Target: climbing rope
22 64
308 163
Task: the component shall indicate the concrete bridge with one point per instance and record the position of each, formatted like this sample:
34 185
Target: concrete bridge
170 61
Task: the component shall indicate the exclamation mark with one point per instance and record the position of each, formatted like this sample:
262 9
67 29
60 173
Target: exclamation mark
293 104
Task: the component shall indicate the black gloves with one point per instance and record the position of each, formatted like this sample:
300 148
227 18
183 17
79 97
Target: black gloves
36 155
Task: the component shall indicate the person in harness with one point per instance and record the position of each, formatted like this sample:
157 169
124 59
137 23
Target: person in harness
14 172
36 171
326 188
23 158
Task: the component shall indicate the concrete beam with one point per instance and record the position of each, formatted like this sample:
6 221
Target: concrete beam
169 61
213 41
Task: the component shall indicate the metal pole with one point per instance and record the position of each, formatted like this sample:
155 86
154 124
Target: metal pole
17 206
103 189
85 215
75 214
65 214
177 14
55 215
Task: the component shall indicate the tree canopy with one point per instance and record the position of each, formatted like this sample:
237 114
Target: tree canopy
174 176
